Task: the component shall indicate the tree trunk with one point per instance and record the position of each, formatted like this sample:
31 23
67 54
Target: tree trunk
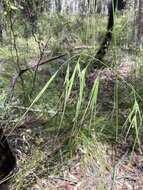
140 23
1 27
1 35
58 5
30 14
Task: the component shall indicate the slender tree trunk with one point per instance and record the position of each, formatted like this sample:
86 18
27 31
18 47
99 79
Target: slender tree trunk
140 23
30 14
1 27
1 35
58 5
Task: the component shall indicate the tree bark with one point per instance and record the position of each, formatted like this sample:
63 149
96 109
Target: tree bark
140 24
1 27
58 5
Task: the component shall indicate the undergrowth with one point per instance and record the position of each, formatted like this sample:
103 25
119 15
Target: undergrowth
67 104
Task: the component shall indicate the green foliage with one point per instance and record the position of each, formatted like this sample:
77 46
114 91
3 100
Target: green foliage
72 109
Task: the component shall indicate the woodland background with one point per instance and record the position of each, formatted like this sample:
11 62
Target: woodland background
72 122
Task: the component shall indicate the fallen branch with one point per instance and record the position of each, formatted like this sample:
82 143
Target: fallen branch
41 63
14 79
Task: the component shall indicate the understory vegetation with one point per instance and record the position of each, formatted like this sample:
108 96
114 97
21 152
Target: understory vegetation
67 121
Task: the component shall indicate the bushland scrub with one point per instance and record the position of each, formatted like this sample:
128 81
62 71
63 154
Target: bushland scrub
70 124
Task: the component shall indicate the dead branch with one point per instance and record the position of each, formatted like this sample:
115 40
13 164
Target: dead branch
22 71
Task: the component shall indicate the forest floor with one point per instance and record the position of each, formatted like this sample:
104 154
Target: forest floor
114 167
122 169
127 176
